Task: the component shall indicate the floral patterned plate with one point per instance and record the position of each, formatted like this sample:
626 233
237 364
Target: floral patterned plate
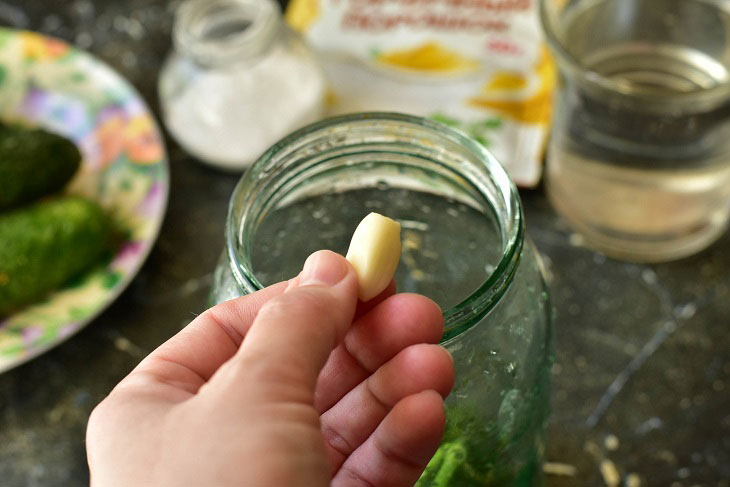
47 83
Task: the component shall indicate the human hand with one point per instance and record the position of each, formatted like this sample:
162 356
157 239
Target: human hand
295 385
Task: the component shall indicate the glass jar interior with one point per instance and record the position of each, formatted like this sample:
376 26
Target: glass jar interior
446 266
460 225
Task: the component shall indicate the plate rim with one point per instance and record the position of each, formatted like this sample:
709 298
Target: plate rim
164 162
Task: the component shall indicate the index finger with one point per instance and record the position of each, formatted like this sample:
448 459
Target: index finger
191 357
364 307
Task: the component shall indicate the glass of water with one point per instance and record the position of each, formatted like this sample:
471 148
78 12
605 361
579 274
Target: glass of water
639 158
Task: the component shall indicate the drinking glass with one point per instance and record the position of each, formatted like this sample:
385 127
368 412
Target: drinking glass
639 157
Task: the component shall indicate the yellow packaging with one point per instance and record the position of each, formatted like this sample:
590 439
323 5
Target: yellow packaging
478 65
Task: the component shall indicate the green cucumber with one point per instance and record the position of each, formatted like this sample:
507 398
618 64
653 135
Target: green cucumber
46 244
33 163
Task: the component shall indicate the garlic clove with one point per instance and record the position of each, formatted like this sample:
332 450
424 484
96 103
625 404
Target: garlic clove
374 252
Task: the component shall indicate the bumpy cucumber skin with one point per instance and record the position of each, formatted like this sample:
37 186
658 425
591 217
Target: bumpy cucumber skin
44 245
33 163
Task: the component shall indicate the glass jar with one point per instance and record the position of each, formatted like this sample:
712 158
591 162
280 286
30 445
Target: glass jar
237 81
464 246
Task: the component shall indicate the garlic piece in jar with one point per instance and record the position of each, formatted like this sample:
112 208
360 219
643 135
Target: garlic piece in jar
374 252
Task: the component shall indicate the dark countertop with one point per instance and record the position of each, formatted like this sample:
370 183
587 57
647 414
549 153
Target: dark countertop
641 379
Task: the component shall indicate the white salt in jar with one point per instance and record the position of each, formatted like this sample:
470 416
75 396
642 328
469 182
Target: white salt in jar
237 80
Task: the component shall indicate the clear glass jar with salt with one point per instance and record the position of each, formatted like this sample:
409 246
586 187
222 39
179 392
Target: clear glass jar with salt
237 80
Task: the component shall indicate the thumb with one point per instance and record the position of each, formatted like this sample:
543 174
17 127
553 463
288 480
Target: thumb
293 334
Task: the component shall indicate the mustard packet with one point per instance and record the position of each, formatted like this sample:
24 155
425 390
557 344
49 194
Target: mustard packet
480 66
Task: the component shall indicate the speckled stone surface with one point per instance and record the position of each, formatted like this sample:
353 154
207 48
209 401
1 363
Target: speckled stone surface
641 391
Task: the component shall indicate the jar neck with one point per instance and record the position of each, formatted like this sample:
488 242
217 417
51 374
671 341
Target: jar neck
327 155
216 33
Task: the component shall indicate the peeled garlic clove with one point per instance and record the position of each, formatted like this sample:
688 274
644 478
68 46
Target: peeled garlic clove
374 253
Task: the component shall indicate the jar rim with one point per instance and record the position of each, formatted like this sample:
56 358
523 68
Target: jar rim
459 317
214 32
695 100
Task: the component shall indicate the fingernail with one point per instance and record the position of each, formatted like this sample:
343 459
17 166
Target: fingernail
324 268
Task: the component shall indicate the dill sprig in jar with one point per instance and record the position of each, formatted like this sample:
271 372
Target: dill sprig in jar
237 81
464 246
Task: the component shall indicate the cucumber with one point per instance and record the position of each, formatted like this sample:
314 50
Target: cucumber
33 163
45 244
